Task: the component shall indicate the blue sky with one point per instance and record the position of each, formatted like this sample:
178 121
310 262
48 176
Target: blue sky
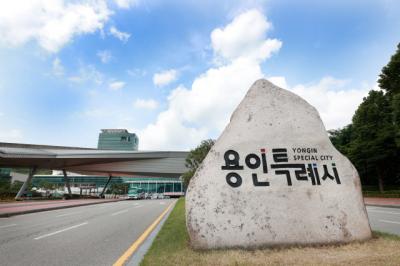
173 71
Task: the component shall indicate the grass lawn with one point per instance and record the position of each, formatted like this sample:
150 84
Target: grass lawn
171 248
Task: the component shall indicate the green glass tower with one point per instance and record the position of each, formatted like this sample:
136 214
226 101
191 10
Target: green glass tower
117 139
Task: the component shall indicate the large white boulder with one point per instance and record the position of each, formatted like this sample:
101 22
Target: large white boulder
274 178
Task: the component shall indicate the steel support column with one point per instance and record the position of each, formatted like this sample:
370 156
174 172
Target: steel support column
21 191
66 180
105 187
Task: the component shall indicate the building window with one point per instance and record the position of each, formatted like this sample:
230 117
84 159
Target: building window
123 138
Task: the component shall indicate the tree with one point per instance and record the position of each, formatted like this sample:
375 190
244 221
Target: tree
16 185
119 189
389 79
372 141
46 185
396 117
342 138
195 158
374 146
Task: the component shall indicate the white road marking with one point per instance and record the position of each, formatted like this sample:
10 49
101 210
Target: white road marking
138 206
67 214
60 231
119 212
384 212
162 203
391 222
8 225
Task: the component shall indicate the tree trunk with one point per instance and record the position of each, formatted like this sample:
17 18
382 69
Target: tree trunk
380 181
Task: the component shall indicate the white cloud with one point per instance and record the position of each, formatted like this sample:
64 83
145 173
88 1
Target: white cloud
116 85
50 23
245 37
335 99
204 109
168 132
88 73
146 104
58 69
105 56
126 3
196 113
165 77
10 135
122 36
136 72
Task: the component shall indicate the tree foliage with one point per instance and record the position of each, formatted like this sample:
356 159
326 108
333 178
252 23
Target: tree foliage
372 141
119 189
341 138
389 79
195 158
374 147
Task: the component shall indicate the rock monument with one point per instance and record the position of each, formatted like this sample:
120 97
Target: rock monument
274 178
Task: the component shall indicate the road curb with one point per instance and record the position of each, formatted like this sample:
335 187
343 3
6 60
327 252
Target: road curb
386 206
10 214
122 260
142 250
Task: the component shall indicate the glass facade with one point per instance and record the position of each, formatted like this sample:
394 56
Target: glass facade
117 139
5 176
167 186
157 185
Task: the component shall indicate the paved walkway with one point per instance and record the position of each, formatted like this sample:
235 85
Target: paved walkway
388 202
15 208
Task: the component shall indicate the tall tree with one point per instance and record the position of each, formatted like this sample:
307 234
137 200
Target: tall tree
374 145
195 158
396 117
389 79
372 141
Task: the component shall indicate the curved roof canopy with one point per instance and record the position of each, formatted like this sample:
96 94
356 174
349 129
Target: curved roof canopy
94 161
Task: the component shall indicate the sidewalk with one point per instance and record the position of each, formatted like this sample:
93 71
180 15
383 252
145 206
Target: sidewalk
383 202
16 208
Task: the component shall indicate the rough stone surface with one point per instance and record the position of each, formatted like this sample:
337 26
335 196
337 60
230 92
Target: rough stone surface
254 213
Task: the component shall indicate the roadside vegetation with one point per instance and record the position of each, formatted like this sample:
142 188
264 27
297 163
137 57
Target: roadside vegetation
171 247
195 158
9 188
372 140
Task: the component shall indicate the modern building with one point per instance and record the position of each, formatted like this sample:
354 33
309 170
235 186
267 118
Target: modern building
116 140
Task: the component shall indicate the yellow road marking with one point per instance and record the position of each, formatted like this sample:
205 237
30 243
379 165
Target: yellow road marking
121 261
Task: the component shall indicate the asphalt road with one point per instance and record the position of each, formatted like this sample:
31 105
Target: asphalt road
87 235
384 219
99 234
